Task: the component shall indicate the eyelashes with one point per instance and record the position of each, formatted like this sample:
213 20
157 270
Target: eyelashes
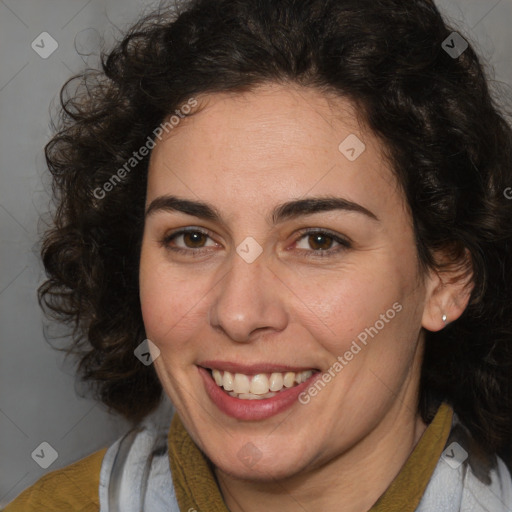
319 237
322 243
192 234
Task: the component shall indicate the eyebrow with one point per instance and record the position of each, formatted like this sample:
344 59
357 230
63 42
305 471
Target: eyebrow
285 211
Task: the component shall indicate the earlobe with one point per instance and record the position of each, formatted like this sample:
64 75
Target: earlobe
447 294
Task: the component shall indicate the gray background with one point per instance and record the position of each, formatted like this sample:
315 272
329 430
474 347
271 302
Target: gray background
38 401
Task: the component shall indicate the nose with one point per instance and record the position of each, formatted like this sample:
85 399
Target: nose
249 301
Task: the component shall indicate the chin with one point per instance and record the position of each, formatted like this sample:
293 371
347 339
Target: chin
276 466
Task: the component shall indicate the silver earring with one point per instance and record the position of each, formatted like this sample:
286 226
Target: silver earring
445 318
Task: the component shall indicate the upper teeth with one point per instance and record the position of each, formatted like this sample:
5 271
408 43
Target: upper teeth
259 384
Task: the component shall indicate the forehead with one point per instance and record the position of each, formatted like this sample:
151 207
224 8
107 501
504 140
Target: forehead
268 145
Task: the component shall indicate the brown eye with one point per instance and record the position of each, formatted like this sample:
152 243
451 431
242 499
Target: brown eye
188 241
194 239
320 241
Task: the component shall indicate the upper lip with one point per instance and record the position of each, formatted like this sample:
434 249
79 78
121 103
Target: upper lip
252 369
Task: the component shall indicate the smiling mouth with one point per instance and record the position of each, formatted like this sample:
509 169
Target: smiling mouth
259 386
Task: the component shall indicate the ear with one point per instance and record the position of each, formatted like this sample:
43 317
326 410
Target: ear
448 291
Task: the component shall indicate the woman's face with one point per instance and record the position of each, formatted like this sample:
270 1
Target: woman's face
270 279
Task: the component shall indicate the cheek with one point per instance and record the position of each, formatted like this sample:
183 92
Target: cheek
368 304
342 302
170 301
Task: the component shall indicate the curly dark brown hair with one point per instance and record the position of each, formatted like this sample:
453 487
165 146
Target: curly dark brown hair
448 144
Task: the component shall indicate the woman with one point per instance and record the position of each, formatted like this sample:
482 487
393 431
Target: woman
290 219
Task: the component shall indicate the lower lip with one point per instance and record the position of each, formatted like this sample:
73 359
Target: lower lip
253 410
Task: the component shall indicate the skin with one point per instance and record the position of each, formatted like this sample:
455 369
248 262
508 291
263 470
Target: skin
245 154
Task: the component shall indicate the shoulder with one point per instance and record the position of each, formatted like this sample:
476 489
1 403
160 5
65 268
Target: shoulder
467 477
134 467
74 487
